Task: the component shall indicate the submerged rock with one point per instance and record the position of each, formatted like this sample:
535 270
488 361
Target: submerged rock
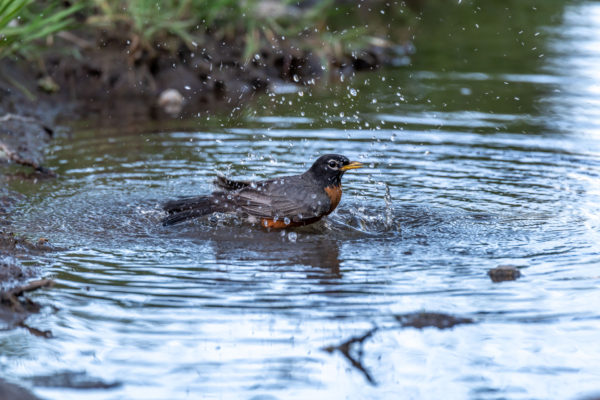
72 380
504 273
422 320
22 141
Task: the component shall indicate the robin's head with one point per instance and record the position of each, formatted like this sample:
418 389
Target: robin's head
329 168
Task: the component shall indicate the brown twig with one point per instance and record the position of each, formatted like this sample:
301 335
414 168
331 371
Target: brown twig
11 296
346 347
15 157
76 40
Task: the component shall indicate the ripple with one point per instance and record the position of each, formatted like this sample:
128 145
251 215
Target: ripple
467 170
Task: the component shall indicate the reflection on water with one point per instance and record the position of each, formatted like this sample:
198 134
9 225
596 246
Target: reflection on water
475 159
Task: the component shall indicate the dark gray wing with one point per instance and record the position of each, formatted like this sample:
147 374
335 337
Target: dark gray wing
290 197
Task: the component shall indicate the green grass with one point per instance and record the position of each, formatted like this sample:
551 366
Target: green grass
326 27
152 22
24 22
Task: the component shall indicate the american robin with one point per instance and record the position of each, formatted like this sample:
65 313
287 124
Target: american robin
274 203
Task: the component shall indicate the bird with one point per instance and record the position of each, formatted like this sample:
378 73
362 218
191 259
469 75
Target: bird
277 203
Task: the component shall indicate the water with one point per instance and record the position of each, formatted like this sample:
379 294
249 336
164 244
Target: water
476 159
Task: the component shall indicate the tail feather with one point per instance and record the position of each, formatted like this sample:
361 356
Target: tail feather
187 208
182 216
229 184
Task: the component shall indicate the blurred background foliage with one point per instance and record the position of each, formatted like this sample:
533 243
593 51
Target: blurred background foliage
27 26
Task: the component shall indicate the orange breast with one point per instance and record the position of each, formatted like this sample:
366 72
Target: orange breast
335 195
333 192
279 224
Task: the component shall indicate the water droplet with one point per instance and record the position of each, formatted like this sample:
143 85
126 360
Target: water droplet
186 87
292 236
296 78
353 92
286 221
389 212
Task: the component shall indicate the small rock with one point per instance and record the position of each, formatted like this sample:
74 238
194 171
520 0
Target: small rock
48 85
504 273
422 320
171 101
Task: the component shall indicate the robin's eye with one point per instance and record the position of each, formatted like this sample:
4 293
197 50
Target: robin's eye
332 164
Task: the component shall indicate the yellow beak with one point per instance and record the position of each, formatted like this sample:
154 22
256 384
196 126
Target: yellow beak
352 165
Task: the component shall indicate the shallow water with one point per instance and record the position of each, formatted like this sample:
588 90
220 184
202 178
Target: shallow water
476 159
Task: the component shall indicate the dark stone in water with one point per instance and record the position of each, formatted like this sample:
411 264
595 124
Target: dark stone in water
504 273
422 320
73 380
22 140
9 391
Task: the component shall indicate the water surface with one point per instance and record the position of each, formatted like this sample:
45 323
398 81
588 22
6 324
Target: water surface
485 151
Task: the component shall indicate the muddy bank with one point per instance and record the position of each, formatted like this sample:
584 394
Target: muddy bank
115 79
110 78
